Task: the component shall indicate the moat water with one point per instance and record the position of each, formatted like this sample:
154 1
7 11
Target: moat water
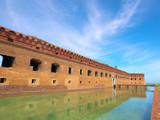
99 104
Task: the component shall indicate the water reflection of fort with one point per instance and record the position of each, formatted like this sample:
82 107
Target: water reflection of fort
80 105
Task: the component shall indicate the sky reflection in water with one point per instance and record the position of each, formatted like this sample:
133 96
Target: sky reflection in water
99 104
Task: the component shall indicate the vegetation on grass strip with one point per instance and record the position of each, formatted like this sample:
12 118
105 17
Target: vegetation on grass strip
158 89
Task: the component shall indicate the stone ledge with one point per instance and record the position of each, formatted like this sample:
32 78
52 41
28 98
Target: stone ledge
155 115
9 89
17 90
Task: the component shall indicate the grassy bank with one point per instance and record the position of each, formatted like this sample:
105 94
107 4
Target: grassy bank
158 89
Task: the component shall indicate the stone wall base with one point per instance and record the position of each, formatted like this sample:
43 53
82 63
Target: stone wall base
155 115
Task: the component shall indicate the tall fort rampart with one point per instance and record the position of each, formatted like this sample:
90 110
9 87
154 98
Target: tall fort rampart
30 61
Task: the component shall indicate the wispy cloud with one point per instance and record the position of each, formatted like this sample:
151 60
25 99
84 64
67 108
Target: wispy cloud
15 17
92 38
151 70
98 29
136 55
87 40
85 28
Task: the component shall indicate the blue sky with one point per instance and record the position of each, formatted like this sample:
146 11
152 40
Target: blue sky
125 33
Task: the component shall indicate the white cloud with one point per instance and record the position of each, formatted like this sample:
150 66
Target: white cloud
92 38
151 70
136 55
87 40
98 29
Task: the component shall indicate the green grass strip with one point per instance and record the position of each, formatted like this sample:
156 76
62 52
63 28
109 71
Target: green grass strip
158 89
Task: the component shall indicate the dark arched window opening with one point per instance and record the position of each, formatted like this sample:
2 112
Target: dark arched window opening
69 70
10 39
101 74
37 48
35 63
6 61
80 71
96 74
106 75
3 80
33 81
54 67
54 81
89 72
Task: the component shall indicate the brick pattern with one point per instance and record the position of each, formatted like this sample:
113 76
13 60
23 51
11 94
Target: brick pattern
36 43
24 48
155 115
20 89
136 75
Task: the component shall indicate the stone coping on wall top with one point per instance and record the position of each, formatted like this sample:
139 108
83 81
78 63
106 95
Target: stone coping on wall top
39 44
131 85
155 114
136 74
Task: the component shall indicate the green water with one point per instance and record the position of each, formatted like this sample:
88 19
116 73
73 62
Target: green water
101 104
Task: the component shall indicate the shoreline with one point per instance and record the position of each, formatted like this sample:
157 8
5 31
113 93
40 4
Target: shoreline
12 93
22 90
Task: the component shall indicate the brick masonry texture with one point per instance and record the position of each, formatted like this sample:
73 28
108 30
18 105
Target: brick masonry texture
155 115
30 61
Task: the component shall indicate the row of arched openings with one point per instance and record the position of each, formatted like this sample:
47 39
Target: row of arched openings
7 61
96 74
